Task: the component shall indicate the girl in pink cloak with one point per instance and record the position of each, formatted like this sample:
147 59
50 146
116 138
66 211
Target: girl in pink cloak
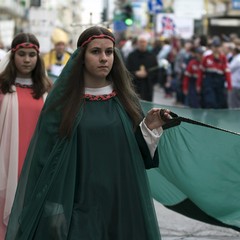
23 88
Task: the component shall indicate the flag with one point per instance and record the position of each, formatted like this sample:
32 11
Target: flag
168 26
199 170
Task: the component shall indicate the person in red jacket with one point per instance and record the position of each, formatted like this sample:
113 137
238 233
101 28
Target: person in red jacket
214 75
192 98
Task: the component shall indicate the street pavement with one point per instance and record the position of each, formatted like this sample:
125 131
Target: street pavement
174 226
158 97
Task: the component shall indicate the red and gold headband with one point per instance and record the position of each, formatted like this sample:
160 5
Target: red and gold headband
26 45
97 36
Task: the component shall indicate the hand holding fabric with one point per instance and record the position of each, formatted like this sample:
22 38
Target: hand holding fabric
157 117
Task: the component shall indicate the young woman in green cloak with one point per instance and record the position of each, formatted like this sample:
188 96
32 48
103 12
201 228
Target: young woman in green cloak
84 175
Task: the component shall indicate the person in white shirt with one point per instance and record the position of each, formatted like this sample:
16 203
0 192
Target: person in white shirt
234 66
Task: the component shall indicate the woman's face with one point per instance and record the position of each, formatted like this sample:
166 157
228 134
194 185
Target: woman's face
25 60
98 62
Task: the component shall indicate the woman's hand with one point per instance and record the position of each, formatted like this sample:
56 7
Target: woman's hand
157 117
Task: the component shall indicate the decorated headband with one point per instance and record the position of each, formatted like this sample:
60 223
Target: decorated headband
97 36
26 45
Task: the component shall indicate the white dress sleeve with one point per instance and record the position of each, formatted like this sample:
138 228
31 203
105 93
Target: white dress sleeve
151 137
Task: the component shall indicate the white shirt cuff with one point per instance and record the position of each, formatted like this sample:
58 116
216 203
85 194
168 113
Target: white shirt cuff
151 137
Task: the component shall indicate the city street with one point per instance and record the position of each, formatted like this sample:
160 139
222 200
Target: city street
174 226
158 97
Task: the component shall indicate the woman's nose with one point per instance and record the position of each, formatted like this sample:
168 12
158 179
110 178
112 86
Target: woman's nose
103 57
26 58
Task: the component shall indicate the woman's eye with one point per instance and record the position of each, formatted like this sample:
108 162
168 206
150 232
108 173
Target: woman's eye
21 54
33 54
109 52
95 51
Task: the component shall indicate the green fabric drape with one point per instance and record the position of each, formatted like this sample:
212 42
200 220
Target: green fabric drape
199 171
223 118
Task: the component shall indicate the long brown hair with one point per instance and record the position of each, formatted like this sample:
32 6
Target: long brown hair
41 83
122 82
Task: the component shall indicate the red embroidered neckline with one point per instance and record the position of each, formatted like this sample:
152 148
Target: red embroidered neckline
23 85
103 97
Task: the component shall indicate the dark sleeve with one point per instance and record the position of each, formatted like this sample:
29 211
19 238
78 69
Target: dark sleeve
131 64
149 162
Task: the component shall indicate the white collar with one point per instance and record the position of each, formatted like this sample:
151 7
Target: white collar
24 81
99 91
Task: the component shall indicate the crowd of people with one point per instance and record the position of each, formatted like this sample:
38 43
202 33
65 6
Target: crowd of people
201 72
